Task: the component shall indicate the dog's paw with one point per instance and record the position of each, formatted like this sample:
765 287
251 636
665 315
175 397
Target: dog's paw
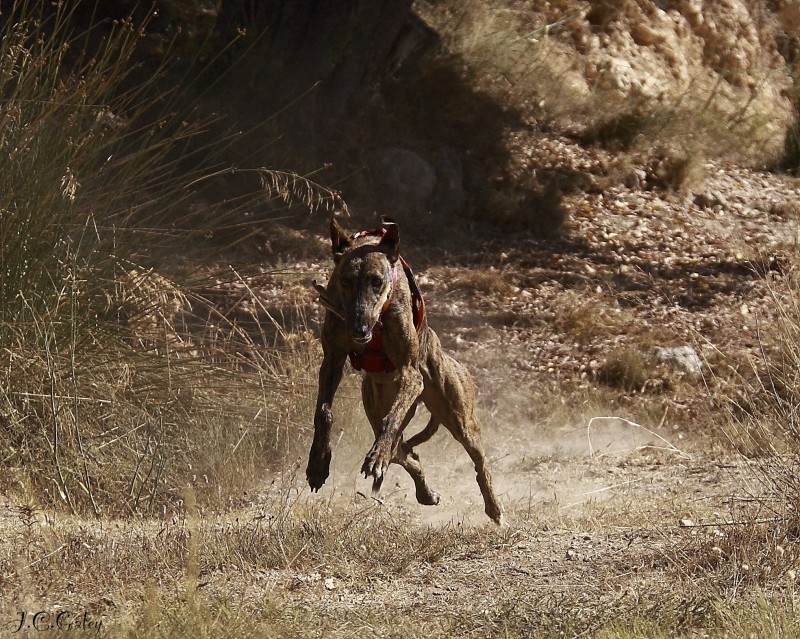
318 469
427 497
376 463
496 515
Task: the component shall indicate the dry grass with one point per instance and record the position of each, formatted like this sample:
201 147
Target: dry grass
753 546
294 567
583 318
625 369
121 384
524 205
678 168
488 281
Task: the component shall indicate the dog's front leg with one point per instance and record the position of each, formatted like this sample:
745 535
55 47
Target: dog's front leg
382 452
319 458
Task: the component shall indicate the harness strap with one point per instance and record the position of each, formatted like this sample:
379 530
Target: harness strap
389 297
417 301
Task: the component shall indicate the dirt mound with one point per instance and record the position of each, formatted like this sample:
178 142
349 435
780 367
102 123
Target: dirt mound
686 51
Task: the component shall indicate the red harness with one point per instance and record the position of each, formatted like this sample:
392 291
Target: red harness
373 359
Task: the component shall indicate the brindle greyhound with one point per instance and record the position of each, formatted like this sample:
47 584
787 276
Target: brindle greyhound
376 317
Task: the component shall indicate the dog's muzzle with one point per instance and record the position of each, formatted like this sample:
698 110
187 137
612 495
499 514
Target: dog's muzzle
362 340
361 332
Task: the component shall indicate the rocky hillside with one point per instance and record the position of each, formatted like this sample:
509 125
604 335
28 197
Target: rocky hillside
645 80
425 109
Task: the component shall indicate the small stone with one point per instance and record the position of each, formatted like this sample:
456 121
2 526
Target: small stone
684 358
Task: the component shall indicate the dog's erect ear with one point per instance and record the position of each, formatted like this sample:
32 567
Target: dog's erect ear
340 240
390 242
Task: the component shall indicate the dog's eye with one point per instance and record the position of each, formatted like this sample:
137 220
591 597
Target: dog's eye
377 282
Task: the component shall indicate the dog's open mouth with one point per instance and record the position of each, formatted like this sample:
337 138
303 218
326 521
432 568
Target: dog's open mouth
362 340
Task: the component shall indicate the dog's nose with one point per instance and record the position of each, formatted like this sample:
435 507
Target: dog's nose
362 332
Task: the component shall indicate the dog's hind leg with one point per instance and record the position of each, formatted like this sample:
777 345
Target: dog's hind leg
409 460
404 454
467 432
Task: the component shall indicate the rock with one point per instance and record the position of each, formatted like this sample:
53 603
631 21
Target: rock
406 179
645 35
683 358
686 52
731 43
636 179
789 16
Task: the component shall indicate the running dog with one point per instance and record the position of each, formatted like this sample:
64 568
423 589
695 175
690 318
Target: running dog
376 318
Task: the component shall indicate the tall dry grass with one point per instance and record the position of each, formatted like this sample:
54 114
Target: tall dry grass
754 548
764 402
120 385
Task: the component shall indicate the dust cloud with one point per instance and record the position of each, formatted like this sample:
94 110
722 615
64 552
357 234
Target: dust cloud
540 457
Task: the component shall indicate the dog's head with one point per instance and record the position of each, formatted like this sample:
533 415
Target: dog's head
364 274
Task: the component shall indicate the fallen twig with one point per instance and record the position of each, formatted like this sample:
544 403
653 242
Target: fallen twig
670 447
325 301
712 524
